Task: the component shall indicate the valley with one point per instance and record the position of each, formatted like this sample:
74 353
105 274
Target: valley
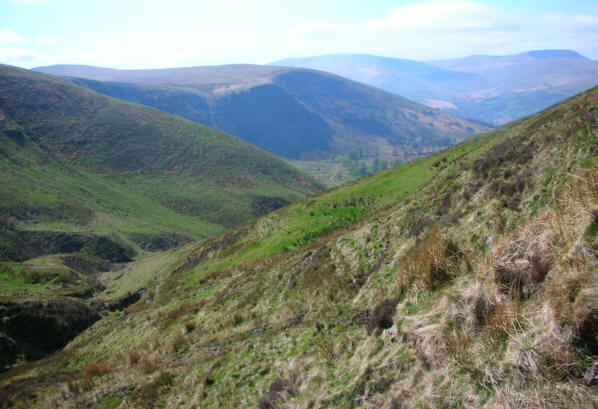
91 183
320 119
465 279
298 205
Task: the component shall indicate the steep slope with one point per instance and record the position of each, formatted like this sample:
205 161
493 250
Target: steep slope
75 160
415 80
263 105
90 183
465 279
493 89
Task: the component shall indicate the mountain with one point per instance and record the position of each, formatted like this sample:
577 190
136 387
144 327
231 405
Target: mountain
76 161
463 279
413 79
482 63
493 89
264 106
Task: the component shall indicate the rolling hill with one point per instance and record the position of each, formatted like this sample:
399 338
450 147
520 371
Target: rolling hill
293 113
73 160
493 89
90 183
464 279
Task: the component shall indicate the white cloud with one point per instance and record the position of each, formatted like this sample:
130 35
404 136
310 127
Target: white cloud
443 15
572 21
424 30
46 40
21 57
454 28
8 36
311 27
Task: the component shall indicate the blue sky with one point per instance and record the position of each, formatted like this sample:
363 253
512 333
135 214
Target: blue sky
155 34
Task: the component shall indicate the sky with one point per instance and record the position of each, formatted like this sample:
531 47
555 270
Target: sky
175 33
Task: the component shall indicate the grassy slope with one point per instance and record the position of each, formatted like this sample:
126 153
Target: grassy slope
79 161
488 251
263 105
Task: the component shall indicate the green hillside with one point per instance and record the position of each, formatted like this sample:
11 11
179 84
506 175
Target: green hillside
293 113
76 161
465 279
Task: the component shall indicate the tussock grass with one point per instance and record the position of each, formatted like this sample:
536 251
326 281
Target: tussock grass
487 314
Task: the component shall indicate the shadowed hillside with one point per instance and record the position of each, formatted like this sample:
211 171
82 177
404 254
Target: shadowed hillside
294 113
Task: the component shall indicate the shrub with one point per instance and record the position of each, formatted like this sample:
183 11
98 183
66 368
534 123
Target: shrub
149 367
150 393
382 316
445 204
277 393
521 277
540 265
471 190
557 360
189 326
585 316
77 386
237 318
511 277
502 321
481 310
513 203
107 249
94 369
418 227
178 343
133 357
397 403
432 261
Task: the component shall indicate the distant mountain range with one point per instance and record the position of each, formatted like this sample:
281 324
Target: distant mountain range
73 160
493 89
292 112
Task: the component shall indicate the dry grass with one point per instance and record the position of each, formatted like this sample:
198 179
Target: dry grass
178 343
432 261
500 323
382 316
94 369
133 357
189 326
151 392
149 367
